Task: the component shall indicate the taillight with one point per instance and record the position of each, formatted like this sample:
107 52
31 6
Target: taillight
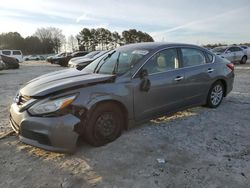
230 66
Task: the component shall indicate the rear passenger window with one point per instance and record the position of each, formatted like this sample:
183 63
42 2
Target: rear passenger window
192 57
16 53
6 52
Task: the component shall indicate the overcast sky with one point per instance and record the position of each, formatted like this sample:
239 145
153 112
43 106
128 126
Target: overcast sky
191 21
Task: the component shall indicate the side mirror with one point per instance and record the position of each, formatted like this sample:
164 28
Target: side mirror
143 73
145 82
228 52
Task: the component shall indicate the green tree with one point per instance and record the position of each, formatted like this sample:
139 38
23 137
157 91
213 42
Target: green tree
89 39
32 45
11 40
83 39
134 36
116 39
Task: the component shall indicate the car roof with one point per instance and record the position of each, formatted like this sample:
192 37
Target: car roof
153 45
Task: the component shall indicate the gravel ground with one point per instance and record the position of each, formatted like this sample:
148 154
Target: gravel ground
199 147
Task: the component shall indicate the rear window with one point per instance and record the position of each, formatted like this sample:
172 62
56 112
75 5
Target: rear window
6 52
17 53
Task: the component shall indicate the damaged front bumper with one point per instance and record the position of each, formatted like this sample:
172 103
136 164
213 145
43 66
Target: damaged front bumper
50 133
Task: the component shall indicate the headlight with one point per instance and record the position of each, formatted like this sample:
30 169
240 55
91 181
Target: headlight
51 105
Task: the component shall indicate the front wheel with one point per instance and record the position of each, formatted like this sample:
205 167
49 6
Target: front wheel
104 125
215 95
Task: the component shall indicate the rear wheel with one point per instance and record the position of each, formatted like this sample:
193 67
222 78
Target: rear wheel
215 95
243 60
104 125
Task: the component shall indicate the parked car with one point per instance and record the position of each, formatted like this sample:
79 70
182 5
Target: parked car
33 58
79 54
2 64
246 49
10 62
17 54
81 62
129 85
64 58
232 53
51 58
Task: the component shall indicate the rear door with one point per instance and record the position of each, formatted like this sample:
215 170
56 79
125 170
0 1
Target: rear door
239 53
166 90
198 74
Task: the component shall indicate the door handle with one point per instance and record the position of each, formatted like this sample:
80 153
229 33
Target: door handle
210 70
179 78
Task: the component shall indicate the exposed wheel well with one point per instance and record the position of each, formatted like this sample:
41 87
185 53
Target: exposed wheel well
120 105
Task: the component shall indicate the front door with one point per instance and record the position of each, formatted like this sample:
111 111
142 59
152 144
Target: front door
165 93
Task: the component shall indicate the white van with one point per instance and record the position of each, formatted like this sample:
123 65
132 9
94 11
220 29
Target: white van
17 54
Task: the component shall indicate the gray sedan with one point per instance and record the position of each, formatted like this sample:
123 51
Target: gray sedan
127 86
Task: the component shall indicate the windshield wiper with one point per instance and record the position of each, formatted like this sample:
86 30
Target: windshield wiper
115 70
104 61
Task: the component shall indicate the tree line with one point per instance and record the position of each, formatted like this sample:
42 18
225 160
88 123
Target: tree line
44 40
221 44
101 38
51 40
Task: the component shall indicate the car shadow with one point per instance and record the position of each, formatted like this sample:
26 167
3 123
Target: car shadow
4 73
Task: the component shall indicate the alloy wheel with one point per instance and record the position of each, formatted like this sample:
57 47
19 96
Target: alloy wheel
216 94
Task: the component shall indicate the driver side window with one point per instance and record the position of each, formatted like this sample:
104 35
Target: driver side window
163 61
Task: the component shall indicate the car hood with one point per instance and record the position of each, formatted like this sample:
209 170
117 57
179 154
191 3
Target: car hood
61 80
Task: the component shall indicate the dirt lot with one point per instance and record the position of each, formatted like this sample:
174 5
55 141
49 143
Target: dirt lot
201 147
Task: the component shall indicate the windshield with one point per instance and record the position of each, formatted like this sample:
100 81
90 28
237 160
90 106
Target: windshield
91 54
219 49
116 62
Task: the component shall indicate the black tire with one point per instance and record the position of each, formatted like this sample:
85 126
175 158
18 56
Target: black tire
243 60
63 64
215 95
104 125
